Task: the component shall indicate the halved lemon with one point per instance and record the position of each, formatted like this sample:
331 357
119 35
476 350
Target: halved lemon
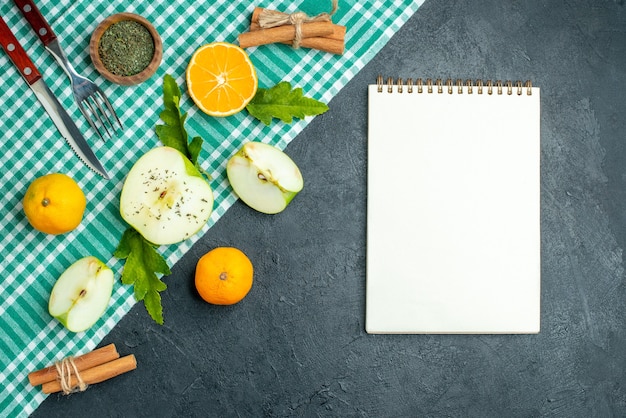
221 79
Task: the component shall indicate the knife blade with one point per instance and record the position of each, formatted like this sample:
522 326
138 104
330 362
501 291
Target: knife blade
66 127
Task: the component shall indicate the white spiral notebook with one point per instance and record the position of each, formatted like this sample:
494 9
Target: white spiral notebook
453 207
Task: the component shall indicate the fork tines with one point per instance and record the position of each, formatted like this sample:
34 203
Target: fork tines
100 114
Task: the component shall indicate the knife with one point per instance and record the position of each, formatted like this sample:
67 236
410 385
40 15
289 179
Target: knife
59 116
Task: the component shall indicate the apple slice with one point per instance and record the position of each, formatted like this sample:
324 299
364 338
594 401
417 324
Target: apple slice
264 177
81 294
165 198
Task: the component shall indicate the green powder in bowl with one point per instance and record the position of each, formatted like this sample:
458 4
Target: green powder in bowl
126 48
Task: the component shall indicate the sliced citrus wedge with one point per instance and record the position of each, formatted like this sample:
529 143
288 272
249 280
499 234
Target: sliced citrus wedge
221 79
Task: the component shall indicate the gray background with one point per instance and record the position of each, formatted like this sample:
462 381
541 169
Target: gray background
296 346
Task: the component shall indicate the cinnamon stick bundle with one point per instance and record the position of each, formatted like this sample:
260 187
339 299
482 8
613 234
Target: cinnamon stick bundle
333 41
283 33
339 32
86 361
97 374
97 366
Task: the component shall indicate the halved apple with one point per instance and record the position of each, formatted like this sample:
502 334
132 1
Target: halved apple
264 177
81 294
165 198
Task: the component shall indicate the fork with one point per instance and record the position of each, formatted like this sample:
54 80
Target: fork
91 101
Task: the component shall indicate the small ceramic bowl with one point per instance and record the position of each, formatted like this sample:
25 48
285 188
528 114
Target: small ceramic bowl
132 79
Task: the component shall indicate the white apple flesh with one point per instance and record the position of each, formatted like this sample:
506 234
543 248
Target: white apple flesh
264 177
165 198
81 294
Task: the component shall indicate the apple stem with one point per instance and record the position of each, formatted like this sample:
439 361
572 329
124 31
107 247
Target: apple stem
223 275
45 202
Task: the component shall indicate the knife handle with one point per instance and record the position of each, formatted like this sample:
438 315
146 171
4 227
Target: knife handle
17 54
36 20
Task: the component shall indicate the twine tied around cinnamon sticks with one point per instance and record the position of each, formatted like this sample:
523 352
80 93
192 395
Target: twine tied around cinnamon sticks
272 18
295 29
75 374
65 368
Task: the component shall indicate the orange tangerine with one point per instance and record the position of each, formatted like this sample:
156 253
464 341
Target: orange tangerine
224 276
54 204
221 79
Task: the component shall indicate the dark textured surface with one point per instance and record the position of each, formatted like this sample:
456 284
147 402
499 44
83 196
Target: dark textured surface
296 346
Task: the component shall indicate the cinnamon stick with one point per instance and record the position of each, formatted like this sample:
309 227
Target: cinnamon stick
283 33
339 32
95 358
255 14
322 44
97 374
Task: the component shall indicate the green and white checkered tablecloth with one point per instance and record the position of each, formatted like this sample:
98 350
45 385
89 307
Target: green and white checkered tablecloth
31 147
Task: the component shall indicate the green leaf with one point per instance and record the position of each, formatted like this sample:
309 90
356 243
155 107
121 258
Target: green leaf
194 150
173 133
152 301
283 103
142 264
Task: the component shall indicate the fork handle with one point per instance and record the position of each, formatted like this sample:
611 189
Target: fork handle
17 54
36 20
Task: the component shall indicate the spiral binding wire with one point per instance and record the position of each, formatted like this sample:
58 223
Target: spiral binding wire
428 85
